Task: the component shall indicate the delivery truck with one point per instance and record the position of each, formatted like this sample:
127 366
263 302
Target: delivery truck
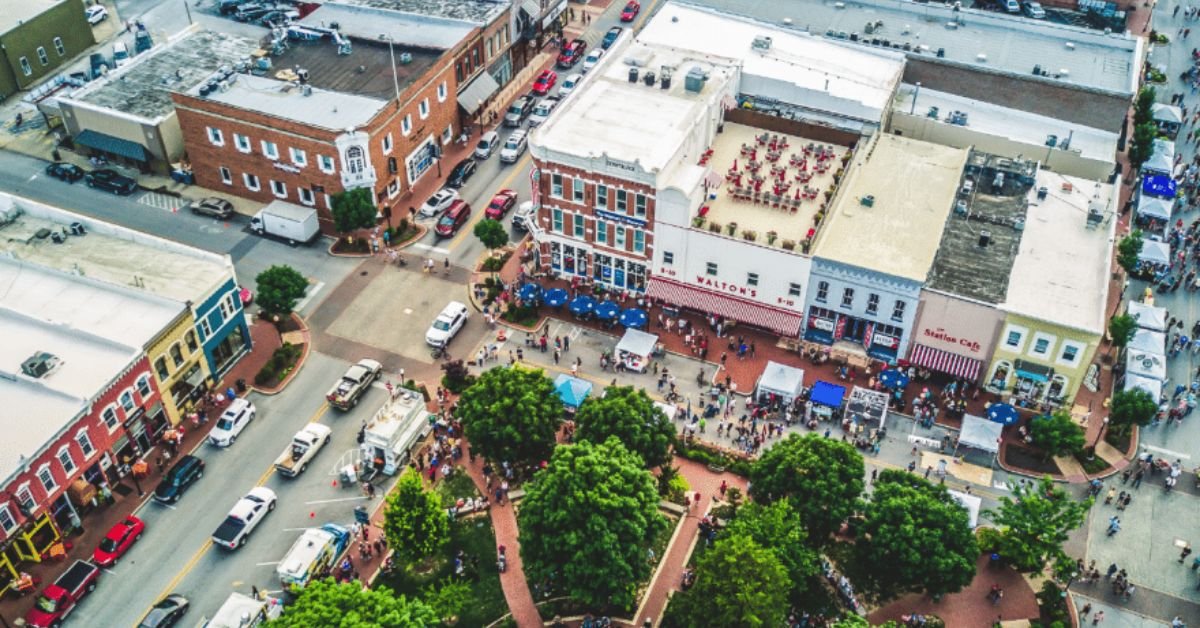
313 555
286 222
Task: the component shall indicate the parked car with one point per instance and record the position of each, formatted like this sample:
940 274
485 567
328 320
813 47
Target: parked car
592 59
121 55
1012 6
447 324
438 202
179 478
1035 10
461 172
166 613
58 600
542 110
354 383
611 37
501 203
246 514
67 172
523 216
232 421
514 147
304 446
632 8
454 218
572 53
96 14
487 144
111 180
518 111
213 206
568 85
545 82
119 539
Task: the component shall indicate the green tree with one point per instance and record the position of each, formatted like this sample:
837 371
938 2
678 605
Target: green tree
587 520
1141 146
1034 523
511 414
631 416
491 233
1058 434
738 583
1130 408
920 533
414 521
353 210
448 598
778 528
348 605
279 288
1143 106
1121 329
822 477
1128 250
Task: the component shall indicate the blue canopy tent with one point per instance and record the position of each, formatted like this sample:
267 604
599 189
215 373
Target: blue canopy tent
1160 185
1002 413
634 318
893 379
529 292
826 398
607 310
582 305
555 297
572 390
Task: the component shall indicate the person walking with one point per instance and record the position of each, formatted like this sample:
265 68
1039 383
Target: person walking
1114 525
1187 550
1099 617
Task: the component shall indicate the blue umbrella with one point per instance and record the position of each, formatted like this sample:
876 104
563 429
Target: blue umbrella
582 305
893 379
555 297
530 292
607 310
1002 413
634 317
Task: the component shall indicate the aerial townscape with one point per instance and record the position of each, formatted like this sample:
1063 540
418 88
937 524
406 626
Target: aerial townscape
593 313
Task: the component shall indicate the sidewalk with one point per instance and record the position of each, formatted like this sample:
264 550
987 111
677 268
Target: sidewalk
969 607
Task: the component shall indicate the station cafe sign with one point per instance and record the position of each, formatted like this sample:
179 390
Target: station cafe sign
958 326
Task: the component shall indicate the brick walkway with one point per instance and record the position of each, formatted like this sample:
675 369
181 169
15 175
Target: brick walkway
969 608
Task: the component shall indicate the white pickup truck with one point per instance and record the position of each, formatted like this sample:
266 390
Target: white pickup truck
305 445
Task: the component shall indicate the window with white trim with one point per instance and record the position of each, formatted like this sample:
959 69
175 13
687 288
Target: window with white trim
447 134
601 231
442 91
279 188
25 498
639 205
622 201
751 279
556 215
215 136
639 241
251 181
872 303
406 124
26 69
306 196
822 291
189 337
577 190
143 386
42 56
242 143
84 440
393 188
226 175
270 150
65 459
59 47
556 185
847 297
601 196
710 269
299 157
668 258
423 108
1014 338
160 367
176 355
228 307
205 327
46 477
7 522
126 401
387 144
326 164
1042 343
1071 353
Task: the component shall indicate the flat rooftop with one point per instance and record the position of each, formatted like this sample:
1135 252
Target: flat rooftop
1013 124
609 116
108 253
143 88
368 23
913 185
1062 269
789 218
284 99
796 67
966 267
366 71
17 13
1012 44
477 12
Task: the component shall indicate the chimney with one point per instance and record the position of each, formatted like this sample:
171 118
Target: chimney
985 238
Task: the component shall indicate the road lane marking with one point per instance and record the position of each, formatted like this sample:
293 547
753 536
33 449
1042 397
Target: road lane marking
431 248
274 562
336 499
518 168
1167 452
308 296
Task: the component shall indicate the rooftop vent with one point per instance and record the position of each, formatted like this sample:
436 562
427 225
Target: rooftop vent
867 201
406 58
694 81
1042 193
1070 45
985 237
306 90
648 79
41 365
981 57
633 75
761 42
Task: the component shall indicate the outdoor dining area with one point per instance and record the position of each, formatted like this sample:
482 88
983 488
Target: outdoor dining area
585 307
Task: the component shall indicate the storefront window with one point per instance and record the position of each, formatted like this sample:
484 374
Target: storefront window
999 377
230 348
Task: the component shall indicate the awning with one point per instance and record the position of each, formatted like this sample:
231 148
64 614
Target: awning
1162 112
827 394
531 8
1155 252
1030 370
1146 364
472 97
1159 185
980 433
782 380
780 321
112 145
1151 386
946 362
1148 316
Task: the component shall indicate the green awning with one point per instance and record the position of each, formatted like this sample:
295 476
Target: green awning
112 145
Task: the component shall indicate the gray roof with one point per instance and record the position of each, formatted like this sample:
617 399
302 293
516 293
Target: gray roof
143 88
1012 44
17 13
478 12
370 23
963 267
283 99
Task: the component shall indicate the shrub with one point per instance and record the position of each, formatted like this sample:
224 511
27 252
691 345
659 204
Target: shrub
711 457
457 378
279 365
494 264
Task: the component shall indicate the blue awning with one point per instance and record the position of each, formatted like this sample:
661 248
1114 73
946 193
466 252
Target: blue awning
112 145
572 390
1035 372
827 394
1159 185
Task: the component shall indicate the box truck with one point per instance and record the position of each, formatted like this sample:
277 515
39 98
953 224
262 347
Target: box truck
287 222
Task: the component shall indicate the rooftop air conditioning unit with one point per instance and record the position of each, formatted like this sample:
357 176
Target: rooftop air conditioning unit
761 42
694 81
41 364
633 75
867 201
985 237
648 79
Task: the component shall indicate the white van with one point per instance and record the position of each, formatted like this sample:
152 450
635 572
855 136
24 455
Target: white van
487 144
120 54
514 147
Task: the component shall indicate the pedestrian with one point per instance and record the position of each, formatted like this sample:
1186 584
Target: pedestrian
1125 476
874 474
1112 569
1099 617
566 343
556 356
158 462
1112 492
1087 608
1114 525
254 592
1187 550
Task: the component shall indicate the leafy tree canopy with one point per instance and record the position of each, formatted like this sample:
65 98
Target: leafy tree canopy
1121 329
1141 146
1034 524
348 605
1128 250
511 414
353 209
822 477
587 520
778 528
631 416
738 583
1129 408
491 233
1058 434
415 522
279 288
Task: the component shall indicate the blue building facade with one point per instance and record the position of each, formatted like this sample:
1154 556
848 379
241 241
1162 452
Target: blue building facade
222 327
852 304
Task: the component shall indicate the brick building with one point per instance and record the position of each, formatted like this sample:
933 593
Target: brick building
36 38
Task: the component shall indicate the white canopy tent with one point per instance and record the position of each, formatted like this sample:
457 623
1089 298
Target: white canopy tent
1162 112
973 504
1163 158
1154 207
637 342
1147 341
1151 365
1152 386
868 405
1155 252
980 433
781 380
1148 316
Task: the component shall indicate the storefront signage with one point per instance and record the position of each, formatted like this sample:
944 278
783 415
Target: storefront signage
286 167
621 218
620 165
725 287
822 324
941 334
885 340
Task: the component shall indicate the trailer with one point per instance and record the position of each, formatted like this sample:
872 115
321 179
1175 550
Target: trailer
391 433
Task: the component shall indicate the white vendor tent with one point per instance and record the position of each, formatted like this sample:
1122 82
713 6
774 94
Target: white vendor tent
1148 316
1154 207
1147 341
637 342
1152 386
1152 365
980 434
973 504
1155 252
868 405
781 380
1162 159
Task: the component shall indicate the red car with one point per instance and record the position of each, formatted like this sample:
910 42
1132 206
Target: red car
118 541
503 201
572 53
630 11
545 82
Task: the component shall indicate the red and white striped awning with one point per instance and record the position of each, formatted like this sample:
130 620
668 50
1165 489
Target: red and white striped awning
781 321
945 362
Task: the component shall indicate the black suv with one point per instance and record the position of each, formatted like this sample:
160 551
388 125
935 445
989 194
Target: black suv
67 172
463 171
179 478
112 181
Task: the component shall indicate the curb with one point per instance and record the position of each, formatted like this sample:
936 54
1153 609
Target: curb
296 369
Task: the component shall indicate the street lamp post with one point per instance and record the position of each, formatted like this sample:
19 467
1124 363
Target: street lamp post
1103 426
917 92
